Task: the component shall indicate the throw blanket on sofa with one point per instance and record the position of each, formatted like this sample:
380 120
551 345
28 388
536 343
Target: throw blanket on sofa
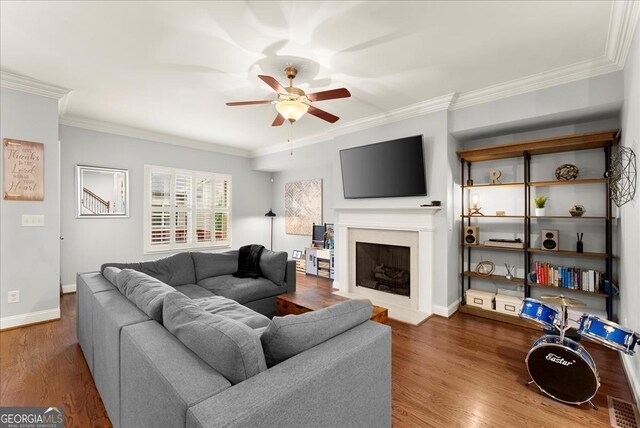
249 261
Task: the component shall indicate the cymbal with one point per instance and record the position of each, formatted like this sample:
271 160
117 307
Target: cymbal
563 301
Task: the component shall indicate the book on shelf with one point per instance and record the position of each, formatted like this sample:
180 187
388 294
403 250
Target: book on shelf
568 277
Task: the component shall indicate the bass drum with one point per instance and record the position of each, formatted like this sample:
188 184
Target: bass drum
563 370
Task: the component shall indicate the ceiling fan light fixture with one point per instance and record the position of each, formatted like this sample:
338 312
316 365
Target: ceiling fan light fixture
291 110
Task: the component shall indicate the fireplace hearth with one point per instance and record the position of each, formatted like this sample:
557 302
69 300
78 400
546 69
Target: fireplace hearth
383 267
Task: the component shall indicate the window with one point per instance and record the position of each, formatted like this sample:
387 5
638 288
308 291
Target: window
186 209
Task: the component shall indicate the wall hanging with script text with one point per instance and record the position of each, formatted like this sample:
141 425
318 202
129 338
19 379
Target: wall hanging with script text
23 170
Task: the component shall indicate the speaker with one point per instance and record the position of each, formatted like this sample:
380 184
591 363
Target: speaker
471 235
549 239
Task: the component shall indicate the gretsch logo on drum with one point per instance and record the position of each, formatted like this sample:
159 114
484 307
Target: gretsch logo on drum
558 360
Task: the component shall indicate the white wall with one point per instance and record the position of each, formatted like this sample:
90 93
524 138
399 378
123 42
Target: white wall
30 256
629 248
89 242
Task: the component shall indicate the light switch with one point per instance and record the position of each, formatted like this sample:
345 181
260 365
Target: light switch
32 220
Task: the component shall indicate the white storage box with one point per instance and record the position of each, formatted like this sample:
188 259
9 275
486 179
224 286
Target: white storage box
509 305
480 299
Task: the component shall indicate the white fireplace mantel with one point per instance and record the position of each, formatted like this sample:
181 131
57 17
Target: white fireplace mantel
412 219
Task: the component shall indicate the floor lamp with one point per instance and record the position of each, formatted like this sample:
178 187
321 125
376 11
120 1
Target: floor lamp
272 215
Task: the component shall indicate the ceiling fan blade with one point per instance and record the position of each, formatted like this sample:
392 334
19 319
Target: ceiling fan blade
246 103
273 83
329 95
322 114
279 120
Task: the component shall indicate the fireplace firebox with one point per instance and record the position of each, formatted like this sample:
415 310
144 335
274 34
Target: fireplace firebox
383 267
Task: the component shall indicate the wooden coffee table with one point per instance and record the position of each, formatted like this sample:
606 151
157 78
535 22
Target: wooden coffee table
306 301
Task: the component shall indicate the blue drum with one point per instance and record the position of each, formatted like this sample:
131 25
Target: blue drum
540 313
608 333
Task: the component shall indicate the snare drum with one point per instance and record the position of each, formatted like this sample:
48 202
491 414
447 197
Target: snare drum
539 312
608 333
563 370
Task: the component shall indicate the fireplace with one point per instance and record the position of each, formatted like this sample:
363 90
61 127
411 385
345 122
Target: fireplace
383 267
408 228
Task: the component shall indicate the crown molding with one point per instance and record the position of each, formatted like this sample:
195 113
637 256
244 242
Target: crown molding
559 76
26 84
419 109
622 25
128 131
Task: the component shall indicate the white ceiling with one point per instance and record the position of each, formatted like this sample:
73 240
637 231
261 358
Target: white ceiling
169 67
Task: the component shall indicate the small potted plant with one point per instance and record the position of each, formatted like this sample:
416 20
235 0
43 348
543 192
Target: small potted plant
540 202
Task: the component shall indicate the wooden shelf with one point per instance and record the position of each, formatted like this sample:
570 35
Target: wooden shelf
565 253
497 316
592 140
487 185
489 247
526 150
565 217
499 278
569 182
492 216
570 290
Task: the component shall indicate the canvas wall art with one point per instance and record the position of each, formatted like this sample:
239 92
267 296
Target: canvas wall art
23 170
303 206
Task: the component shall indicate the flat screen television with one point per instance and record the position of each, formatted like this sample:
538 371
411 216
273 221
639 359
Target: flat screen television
384 170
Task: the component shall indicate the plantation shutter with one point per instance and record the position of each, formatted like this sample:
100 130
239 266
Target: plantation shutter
160 215
221 214
186 209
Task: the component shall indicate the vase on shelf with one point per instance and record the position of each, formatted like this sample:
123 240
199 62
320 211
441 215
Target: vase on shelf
540 212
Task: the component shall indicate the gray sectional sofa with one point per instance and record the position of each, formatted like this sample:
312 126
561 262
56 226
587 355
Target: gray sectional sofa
181 342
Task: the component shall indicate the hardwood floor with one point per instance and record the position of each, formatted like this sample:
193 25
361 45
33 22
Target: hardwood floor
42 365
459 372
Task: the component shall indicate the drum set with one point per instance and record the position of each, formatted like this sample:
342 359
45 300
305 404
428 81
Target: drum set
558 365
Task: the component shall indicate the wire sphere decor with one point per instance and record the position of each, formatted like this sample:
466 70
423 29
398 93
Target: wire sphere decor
567 172
622 175
485 268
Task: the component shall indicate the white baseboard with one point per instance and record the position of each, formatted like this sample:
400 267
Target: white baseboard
446 311
69 288
30 318
634 382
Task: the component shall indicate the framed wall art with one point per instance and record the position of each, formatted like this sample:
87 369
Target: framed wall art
23 163
302 206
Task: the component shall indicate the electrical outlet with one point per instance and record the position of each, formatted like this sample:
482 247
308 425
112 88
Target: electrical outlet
14 296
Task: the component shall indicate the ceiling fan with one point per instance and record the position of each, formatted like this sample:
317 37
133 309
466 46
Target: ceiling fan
293 103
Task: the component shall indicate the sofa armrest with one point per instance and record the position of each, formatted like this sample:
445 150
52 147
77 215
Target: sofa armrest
345 381
290 276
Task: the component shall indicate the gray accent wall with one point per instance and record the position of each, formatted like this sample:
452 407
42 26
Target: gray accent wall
322 160
89 242
30 256
629 224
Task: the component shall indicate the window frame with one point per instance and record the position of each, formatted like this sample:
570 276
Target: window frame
192 209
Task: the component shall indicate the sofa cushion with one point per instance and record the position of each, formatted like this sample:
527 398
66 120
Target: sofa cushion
273 265
111 273
229 346
241 290
292 334
145 292
214 264
194 291
219 305
173 270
